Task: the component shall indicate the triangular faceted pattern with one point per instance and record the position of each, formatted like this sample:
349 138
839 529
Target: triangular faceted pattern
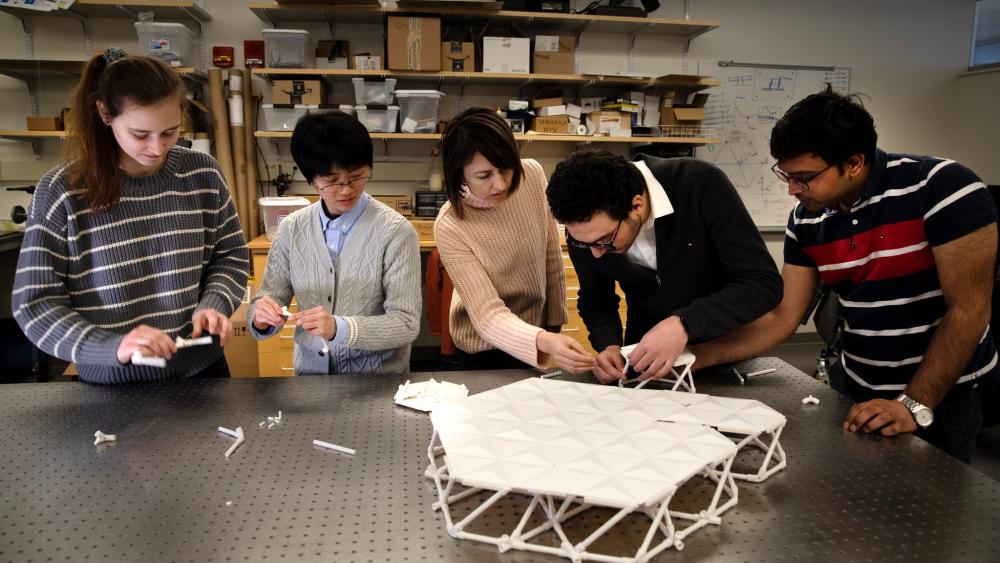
601 443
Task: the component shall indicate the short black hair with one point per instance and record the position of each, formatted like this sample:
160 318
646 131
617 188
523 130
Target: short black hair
831 125
475 130
591 181
322 141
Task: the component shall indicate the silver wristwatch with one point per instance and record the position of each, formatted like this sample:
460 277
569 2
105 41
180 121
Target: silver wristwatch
921 413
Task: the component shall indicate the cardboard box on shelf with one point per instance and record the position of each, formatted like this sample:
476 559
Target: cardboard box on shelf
673 112
44 123
510 55
309 92
551 110
558 124
424 228
365 61
414 43
241 350
546 102
614 123
554 54
402 204
458 50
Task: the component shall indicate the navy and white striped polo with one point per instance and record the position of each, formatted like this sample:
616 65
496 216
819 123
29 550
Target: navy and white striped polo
878 259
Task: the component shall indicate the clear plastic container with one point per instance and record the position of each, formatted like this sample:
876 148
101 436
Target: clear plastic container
173 43
287 48
283 117
378 119
274 209
373 91
419 110
326 108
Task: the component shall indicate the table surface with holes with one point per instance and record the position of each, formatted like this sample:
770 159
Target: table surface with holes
165 492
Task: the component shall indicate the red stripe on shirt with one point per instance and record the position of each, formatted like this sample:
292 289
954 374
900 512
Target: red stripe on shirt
885 267
883 237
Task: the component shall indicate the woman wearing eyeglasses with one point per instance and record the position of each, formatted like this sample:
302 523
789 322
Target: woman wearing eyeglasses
351 262
499 244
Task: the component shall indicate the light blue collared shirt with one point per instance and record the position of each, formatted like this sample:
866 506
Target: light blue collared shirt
337 231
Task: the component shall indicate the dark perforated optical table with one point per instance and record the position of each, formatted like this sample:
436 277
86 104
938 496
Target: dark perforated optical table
165 492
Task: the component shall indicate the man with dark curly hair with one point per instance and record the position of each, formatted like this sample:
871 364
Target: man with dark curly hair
674 234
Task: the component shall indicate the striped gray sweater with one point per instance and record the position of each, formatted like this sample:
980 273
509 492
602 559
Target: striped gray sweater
171 245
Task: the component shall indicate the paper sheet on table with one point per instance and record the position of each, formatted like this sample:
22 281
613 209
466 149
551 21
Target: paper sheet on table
425 395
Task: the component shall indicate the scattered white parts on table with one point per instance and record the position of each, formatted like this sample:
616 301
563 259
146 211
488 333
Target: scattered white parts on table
238 434
334 447
101 437
425 395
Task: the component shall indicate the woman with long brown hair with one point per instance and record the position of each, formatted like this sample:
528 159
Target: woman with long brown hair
132 241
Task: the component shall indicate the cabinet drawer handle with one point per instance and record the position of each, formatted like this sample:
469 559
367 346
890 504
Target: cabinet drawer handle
283 337
283 368
570 330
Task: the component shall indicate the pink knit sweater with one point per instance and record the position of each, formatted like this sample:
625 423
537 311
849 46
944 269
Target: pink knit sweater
506 264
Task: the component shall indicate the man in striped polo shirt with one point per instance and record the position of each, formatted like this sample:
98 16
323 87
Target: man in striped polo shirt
908 244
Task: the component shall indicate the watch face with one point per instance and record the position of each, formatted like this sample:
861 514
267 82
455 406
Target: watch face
924 417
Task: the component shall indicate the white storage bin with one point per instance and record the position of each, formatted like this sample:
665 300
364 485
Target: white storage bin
173 43
373 91
283 117
274 209
418 110
326 108
378 119
288 48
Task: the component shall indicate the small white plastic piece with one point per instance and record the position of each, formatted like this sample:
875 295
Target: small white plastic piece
810 400
238 434
425 395
279 417
262 423
761 372
185 342
140 360
334 447
101 437
270 426
738 376
284 312
326 348
550 374
229 503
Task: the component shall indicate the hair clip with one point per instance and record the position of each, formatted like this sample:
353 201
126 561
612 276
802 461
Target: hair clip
112 54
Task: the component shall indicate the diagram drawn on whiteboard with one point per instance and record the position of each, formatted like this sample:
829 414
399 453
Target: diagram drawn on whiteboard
744 109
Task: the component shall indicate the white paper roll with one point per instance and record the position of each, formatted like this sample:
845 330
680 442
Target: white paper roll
581 129
201 145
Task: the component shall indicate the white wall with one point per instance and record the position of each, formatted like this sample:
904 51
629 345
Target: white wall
977 125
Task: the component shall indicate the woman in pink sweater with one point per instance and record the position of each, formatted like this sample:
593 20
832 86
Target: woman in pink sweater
499 244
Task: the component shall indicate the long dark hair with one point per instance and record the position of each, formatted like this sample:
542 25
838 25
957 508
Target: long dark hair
91 151
477 130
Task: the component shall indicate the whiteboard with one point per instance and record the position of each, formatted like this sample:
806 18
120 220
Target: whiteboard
742 111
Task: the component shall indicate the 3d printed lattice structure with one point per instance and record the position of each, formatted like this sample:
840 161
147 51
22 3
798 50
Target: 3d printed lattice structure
571 447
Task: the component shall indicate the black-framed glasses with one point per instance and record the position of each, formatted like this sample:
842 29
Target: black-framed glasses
357 182
610 245
799 181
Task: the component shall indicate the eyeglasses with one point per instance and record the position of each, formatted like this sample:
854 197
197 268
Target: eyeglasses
801 182
610 245
357 182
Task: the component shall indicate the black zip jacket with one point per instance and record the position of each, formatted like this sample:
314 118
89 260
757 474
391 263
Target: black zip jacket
712 266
